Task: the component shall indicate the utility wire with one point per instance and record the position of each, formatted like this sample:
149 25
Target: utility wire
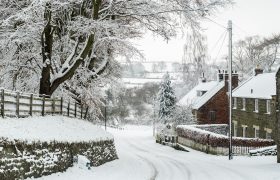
220 48
219 39
241 29
216 22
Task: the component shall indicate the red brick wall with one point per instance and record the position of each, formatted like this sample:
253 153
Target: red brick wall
218 103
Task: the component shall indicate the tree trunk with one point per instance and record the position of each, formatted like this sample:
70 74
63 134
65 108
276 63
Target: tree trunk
46 42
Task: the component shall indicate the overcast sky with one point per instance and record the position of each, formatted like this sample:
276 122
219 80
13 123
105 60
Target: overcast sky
250 17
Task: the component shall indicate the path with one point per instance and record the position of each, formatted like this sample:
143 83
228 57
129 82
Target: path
140 158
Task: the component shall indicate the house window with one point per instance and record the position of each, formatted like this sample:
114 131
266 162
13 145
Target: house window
256 105
235 128
234 103
268 108
200 93
203 92
257 131
244 104
212 115
268 133
244 129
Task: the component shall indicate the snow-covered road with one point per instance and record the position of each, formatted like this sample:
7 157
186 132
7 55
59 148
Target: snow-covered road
140 158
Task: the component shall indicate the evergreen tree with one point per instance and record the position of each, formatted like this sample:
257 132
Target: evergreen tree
166 99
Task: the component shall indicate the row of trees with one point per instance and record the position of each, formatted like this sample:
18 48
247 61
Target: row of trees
256 51
70 47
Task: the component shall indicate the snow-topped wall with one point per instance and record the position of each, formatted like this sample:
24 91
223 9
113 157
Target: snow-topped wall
38 146
22 159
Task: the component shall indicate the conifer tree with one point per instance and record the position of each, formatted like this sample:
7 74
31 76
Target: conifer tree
166 100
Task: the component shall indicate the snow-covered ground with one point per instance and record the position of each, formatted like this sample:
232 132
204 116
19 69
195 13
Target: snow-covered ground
140 158
51 128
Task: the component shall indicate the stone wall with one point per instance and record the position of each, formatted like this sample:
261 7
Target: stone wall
20 159
250 118
215 128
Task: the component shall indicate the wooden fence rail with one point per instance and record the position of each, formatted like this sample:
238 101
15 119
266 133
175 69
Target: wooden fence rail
16 104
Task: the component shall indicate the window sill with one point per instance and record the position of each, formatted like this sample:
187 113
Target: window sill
234 108
256 111
243 109
268 113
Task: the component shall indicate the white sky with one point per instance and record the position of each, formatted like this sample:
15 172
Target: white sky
250 17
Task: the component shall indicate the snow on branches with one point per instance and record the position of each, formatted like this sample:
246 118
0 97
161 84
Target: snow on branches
166 99
72 45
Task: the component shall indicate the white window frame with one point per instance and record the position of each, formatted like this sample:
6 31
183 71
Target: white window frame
235 123
268 132
268 106
243 104
244 129
256 105
257 131
235 103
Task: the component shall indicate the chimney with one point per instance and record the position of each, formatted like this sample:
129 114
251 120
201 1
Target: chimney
258 70
220 76
223 76
203 79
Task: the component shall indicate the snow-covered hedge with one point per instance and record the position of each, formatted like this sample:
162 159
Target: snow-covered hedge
37 146
22 159
217 140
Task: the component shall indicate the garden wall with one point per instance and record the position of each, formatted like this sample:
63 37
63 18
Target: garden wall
20 159
213 143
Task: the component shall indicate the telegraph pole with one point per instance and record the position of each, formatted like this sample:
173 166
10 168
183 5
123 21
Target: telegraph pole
154 119
230 87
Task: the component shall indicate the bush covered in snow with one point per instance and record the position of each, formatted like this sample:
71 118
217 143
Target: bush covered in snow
217 140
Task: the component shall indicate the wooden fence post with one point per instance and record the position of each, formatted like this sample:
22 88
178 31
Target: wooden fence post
53 106
43 105
81 111
85 115
2 103
75 109
31 104
68 108
61 105
17 104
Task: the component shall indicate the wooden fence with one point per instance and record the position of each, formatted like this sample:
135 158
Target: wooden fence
16 104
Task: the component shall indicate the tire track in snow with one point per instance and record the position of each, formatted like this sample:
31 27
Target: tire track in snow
180 166
169 164
155 171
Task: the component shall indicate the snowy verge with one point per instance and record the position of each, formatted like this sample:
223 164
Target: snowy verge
51 128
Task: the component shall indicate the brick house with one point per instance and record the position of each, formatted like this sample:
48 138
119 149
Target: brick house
253 112
209 100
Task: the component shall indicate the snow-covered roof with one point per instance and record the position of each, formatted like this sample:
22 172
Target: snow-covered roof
192 99
208 95
262 86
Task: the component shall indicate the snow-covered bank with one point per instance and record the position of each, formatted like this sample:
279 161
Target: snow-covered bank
140 158
40 146
50 128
